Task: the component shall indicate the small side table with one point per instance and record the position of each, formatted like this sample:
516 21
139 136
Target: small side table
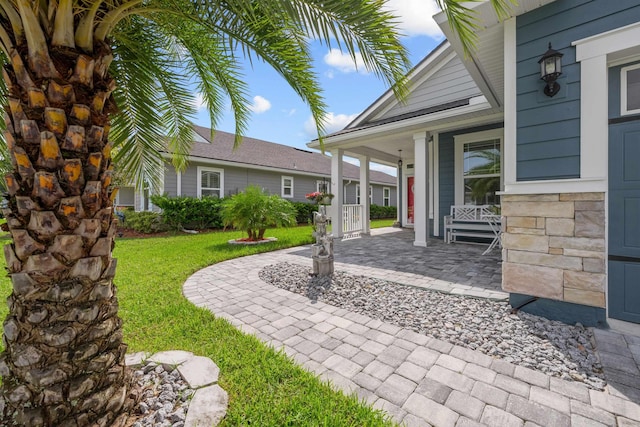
495 222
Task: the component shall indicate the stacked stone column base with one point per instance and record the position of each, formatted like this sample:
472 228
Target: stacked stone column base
554 246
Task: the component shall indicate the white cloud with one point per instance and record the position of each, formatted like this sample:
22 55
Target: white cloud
332 123
290 112
416 17
199 102
260 105
343 62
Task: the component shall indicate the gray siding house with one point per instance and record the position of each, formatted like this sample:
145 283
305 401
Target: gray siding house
215 169
563 166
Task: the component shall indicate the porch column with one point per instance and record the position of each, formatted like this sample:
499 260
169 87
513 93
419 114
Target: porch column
421 188
337 189
399 200
364 186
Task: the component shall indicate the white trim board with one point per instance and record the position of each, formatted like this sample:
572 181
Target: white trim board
595 55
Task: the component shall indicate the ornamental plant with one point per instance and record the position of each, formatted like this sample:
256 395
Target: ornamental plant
254 210
318 196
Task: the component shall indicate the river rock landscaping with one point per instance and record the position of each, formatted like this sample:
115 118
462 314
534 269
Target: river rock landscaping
490 327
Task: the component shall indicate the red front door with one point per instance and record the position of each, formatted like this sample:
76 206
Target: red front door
409 200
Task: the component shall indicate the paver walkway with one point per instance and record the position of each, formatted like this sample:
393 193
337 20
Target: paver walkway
417 380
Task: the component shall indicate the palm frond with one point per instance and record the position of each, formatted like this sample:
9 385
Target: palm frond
154 100
215 68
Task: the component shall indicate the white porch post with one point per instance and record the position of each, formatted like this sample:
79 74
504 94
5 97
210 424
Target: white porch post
364 189
337 189
421 188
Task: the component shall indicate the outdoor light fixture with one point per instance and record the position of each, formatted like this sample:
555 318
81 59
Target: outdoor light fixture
400 159
550 70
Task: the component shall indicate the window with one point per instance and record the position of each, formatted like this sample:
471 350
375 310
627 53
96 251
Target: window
386 196
322 186
630 90
126 196
210 182
370 195
287 187
478 168
357 194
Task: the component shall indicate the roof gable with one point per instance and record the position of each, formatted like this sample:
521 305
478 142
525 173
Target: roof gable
439 79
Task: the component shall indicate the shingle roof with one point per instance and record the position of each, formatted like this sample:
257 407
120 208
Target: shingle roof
269 154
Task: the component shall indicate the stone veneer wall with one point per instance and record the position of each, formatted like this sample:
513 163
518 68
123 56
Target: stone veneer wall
554 246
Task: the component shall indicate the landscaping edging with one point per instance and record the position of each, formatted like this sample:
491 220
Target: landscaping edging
248 242
209 403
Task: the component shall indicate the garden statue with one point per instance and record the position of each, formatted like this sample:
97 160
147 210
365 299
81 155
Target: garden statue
322 250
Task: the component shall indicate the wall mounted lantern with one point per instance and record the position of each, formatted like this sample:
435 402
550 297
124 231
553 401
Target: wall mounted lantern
400 159
550 70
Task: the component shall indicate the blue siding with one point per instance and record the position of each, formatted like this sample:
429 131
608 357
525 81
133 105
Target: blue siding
446 163
548 142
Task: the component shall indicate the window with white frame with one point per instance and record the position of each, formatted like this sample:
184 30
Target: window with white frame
478 168
322 186
630 90
357 194
370 195
126 196
210 182
386 196
287 187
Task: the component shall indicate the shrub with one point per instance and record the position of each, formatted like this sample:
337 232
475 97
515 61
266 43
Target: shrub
190 212
381 212
304 212
255 211
144 222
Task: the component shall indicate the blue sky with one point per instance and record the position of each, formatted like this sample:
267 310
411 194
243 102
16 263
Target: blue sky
280 116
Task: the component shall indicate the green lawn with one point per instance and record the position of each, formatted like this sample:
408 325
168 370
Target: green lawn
264 386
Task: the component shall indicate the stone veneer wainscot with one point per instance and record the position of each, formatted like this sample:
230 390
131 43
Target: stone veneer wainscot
554 246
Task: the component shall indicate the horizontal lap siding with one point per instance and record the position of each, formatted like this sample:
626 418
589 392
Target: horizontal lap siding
451 83
548 142
170 181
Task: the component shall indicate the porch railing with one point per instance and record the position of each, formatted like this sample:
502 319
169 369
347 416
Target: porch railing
352 220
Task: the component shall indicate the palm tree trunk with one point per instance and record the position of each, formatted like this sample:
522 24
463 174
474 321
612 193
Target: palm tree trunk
63 363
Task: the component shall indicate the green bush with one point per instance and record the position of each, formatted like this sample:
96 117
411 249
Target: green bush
304 212
190 212
381 212
144 222
254 211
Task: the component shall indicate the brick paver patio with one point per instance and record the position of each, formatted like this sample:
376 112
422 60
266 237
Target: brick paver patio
417 380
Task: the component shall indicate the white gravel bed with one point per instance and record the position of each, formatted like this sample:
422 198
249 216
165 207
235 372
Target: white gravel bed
552 347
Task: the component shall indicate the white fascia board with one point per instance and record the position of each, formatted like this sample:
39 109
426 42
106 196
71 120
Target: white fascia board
475 105
207 161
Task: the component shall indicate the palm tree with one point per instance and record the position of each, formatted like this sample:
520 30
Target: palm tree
88 78
83 79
